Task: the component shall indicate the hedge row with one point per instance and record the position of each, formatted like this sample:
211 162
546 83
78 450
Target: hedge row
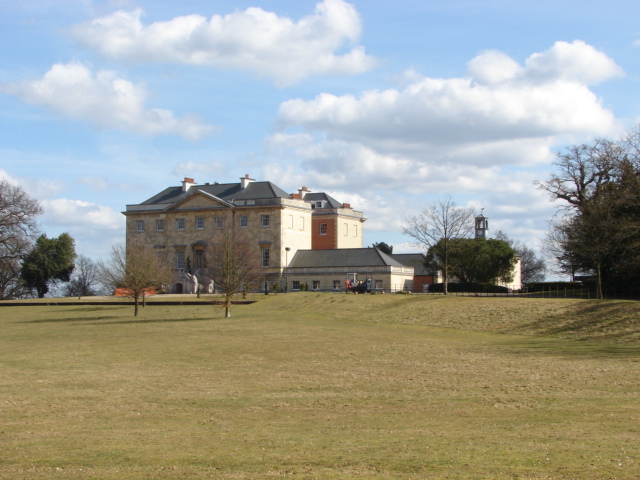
468 288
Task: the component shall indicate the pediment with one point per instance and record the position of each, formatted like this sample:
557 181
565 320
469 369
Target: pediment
199 200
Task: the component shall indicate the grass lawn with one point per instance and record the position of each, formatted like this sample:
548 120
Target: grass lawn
323 386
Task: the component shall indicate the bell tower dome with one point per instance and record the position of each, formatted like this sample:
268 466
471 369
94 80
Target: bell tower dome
482 225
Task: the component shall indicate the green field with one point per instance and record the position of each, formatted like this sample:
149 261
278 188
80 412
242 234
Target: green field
323 386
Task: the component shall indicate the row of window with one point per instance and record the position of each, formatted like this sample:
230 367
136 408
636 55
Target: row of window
265 222
199 260
337 285
323 229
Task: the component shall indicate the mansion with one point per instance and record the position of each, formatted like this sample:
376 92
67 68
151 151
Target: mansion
182 223
305 240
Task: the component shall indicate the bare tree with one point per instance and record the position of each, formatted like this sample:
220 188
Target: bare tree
18 212
84 282
18 229
532 268
11 284
237 262
439 224
134 268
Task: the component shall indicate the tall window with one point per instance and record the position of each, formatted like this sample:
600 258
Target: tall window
244 221
301 223
180 259
180 223
219 222
265 257
139 225
200 223
336 284
199 258
295 285
323 229
265 220
355 230
316 285
159 225
346 230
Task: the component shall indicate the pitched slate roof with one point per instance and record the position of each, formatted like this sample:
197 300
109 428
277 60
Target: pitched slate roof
229 192
342 257
331 202
415 260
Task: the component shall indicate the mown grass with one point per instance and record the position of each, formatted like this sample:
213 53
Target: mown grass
322 386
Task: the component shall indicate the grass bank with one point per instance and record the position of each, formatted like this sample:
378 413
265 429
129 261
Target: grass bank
322 386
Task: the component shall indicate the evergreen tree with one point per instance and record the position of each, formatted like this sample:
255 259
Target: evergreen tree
50 260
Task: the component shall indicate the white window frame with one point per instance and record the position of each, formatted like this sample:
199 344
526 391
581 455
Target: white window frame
180 223
244 221
323 229
180 262
219 222
139 225
315 285
199 223
295 285
159 225
266 261
337 285
265 221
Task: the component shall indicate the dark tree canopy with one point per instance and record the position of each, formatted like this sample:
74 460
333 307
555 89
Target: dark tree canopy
383 247
477 260
50 260
598 234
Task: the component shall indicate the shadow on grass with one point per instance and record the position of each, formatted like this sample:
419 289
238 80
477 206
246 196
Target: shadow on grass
613 321
146 321
572 348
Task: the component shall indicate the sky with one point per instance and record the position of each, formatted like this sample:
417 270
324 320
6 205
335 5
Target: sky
386 105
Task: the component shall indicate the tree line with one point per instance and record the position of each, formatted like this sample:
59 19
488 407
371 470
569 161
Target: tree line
595 231
445 232
30 262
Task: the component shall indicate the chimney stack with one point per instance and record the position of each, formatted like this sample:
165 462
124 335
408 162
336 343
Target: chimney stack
187 183
244 181
303 191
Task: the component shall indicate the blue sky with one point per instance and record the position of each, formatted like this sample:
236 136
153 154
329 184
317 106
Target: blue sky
384 105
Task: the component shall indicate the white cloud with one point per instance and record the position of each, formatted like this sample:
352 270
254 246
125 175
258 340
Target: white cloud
95 183
104 100
78 213
251 40
94 227
499 101
575 61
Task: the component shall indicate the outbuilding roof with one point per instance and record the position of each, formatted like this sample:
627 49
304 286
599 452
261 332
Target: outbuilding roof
342 257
